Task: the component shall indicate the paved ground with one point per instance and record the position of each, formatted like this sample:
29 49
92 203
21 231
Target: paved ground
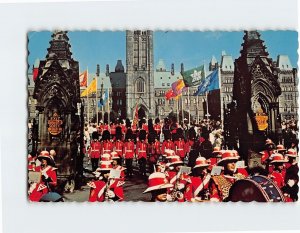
133 188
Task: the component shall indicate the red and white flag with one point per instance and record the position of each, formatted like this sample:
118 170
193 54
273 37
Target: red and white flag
83 79
136 116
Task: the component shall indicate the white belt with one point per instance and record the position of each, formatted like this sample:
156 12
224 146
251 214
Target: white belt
128 150
118 150
142 151
179 149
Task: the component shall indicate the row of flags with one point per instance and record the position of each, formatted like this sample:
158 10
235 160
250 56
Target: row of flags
91 88
191 78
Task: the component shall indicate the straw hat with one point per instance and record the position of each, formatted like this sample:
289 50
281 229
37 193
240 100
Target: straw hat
201 162
156 181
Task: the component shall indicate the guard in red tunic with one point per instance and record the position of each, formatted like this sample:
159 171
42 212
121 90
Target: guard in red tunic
94 151
119 144
141 152
48 178
112 130
278 173
107 145
167 143
221 184
291 187
269 147
129 152
181 190
180 145
173 128
104 188
200 181
157 127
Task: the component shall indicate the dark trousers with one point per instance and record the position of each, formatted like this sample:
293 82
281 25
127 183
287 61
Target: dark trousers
95 163
128 163
142 163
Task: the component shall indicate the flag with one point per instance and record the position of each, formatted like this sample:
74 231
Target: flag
193 77
136 116
211 82
83 79
90 89
103 99
169 94
178 87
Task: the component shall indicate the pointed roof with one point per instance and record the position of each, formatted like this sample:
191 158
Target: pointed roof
227 63
284 63
213 60
253 46
161 65
119 67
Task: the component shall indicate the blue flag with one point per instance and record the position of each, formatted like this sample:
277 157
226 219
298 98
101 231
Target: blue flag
211 82
103 99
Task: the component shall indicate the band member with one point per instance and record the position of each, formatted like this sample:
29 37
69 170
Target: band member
216 156
173 128
141 152
269 147
152 152
280 149
220 185
200 180
48 178
167 143
107 145
94 151
158 185
291 176
278 173
181 190
119 145
129 152
180 145
157 127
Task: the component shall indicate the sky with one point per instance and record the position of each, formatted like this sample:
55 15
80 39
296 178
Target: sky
191 48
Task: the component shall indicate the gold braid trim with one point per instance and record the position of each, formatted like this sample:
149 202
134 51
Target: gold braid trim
223 185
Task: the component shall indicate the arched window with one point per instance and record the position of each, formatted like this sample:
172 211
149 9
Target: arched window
140 85
285 108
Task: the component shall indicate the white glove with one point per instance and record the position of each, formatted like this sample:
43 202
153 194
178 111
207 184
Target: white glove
169 198
110 194
291 183
180 186
45 174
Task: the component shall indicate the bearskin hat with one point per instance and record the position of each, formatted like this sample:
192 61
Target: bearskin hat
118 133
142 135
128 123
129 134
179 133
106 135
192 133
95 135
167 135
157 120
151 137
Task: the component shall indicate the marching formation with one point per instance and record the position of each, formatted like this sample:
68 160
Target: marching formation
178 164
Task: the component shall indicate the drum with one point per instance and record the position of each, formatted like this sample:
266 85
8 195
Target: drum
256 188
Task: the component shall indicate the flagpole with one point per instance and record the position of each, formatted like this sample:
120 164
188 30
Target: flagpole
178 109
221 98
207 114
87 96
189 104
108 107
197 106
96 100
182 108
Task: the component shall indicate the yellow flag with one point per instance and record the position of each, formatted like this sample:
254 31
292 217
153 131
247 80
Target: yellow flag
92 88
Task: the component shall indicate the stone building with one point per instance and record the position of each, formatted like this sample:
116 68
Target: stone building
287 77
140 73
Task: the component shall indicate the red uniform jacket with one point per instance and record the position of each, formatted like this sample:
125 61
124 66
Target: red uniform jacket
145 127
157 147
180 148
265 156
220 190
141 149
119 148
278 178
37 190
107 147
113 130
167 145
157 128
200 187
128 150
95 150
